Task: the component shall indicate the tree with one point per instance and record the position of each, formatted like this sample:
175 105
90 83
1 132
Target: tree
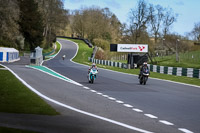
156 18
96 23
55 19
31 23
169 19
195 33
139 18
9 29
78 25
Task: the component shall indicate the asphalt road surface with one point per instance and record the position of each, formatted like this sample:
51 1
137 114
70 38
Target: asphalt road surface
160 106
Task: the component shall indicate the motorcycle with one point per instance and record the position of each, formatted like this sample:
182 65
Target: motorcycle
144 77
92 75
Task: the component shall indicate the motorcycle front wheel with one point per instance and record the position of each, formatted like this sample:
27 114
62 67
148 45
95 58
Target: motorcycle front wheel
145 80
141 80
92 80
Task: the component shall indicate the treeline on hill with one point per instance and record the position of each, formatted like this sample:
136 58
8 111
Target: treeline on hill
147 23
25 24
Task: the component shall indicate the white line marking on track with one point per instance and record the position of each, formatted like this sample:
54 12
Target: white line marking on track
93 91
99 93
128 105
119 101
86 88
111 98
77 110
137 110
151 116
185 130
166 122
105 95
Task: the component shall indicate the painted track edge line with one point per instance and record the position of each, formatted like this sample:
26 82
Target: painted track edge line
74 109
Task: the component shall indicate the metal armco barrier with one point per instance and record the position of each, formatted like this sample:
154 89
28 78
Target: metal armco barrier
178 71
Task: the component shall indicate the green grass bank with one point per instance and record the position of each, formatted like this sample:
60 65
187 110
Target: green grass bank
16 98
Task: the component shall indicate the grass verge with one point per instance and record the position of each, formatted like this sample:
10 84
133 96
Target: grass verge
47 50
16 98
85 52
53 54
57 48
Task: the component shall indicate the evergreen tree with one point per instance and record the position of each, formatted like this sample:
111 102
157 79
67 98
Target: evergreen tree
31 23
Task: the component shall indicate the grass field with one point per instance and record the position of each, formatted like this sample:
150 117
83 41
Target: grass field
187 60
16 98
85 52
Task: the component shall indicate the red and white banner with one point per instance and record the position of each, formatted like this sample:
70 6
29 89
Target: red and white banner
137 48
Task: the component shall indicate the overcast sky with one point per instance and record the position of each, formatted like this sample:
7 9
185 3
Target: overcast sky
188 10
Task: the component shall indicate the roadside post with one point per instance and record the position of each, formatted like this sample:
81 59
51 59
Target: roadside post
36 56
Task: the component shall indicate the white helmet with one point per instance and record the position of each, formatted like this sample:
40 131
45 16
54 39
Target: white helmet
145 64
93 65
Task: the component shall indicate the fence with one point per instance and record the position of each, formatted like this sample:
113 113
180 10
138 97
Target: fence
178 71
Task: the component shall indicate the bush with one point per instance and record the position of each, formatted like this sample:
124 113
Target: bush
102 55
6 43
105 45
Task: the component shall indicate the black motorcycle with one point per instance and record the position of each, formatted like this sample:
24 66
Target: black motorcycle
144 76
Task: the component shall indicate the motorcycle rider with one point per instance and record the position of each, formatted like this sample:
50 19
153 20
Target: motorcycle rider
93 66
63 57
141 69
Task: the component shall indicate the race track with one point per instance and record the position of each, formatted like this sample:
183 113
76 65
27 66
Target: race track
160 106
176 103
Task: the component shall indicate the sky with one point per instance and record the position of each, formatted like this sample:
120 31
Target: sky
188 10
